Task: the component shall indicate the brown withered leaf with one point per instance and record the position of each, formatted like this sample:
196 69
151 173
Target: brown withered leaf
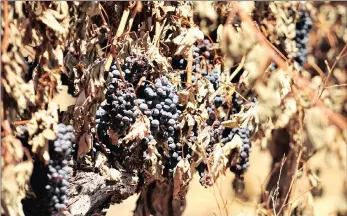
236 142
113 136
100 159
139 130
114 175
13 148
85 144
204 137
208 14
220 161
232 123
49 20
316 124
187 38
182 177
49 134
14 180
183 96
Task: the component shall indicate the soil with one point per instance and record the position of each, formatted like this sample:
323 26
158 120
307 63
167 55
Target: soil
202 201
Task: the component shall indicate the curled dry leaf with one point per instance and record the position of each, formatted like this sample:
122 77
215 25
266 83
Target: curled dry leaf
315 125
85 144
237 42
219 162
49 20
208 14
187 38
236 142
182 177
115 175
100 159
139 130
15 176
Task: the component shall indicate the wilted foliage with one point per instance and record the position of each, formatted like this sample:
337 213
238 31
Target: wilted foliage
164 90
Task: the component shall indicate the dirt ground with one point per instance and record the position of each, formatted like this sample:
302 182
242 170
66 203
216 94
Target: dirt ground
201 201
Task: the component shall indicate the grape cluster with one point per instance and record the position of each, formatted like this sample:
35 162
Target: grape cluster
213 77
179 63
177 151
159 103
303 27
211 114
246 148
119 110
173 156
60 151
203 49
135 67
237 101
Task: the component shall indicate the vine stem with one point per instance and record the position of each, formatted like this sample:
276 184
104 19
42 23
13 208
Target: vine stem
22 122
292 182
122 23
324 82
4 40
190 66
137 9
261 38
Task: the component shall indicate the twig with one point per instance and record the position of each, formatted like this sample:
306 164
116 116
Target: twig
102 10
237 70
120 69
337 85
158 31
294 177
315 66
123 22
325 81
22 122
214 195
261 38
137 9
291 202
276 193
224 202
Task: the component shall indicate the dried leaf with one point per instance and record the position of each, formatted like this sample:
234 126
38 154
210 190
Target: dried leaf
204 137
233 123
49 20
187 38
236 142
85 144
220 161
114 175
315 127
182 177
139 130
49 134
100 159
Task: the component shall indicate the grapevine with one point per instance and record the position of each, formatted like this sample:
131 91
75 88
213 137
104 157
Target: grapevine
104 100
